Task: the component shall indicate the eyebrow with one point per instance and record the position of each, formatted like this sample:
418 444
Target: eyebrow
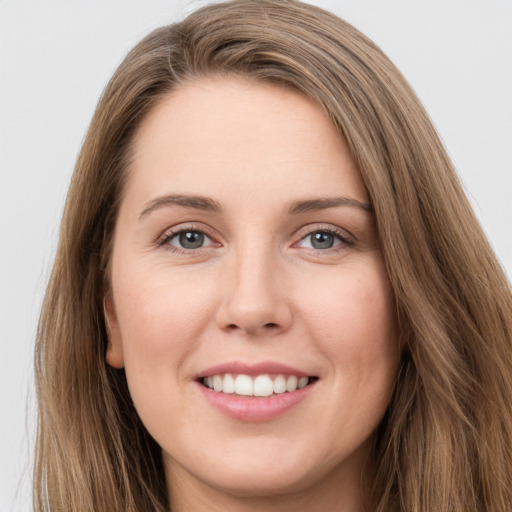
210 205
197 202
298 207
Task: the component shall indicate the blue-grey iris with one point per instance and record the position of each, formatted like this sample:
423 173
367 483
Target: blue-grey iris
191 239
322 240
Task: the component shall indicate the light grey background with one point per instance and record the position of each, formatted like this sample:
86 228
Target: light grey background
56 57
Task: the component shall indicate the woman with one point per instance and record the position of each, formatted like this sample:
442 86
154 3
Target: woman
270 291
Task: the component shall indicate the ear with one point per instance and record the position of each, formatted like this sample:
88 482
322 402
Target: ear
114 355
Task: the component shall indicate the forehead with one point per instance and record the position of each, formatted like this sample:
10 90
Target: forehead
230 137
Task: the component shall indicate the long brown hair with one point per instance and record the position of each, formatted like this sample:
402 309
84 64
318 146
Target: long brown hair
445 443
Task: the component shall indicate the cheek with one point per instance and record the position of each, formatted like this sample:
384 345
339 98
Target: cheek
351 314
161 313
354 326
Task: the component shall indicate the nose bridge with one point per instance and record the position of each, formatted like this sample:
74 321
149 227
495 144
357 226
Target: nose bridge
253 302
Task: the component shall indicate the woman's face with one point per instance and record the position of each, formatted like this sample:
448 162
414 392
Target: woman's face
246 258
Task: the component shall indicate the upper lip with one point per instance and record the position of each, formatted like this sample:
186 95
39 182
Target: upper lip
253 369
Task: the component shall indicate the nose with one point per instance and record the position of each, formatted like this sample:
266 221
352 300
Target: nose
254 299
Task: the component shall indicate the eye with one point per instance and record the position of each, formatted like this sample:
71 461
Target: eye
323 239
187 239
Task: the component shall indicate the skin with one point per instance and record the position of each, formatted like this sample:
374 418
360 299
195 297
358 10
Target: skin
257 290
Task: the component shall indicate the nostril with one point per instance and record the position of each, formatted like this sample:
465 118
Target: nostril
270 326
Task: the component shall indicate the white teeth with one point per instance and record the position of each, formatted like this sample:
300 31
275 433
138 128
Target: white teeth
302 382
228 385
243 385
217 382
291 383
279 384
261 385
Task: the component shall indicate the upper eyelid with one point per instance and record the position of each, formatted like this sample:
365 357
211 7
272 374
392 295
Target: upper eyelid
188 226
171 232
308 229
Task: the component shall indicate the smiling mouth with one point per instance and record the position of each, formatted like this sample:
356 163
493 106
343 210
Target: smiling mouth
255 386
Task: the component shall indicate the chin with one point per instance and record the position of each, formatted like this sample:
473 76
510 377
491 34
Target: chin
269 482
266 470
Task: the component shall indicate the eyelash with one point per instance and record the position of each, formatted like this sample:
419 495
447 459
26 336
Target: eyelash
172 233
339 234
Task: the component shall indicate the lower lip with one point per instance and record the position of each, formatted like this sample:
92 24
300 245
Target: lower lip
255 409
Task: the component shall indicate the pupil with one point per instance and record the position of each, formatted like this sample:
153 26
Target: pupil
322 240
191 239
